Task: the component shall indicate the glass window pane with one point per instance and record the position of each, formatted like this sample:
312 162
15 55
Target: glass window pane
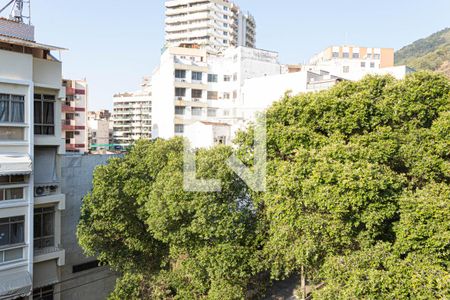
4 235
13 254
37 112
2 195
37 225
49 221
17 233
17 112
14 194
49 113
4 111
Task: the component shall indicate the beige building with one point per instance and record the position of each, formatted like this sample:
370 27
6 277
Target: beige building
31 202
100 130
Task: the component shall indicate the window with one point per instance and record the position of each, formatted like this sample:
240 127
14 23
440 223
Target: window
180 110
197 111
235 76
235 94
369 55
225 33
12 108
180 74
335 54
346 55
372 65
11 194
355 55
44 227
212 112
346 69
44 114
225 41
12 232
197 76
376 56
226 112
226 78
179 128
196 94
226 95
212 78
212 95
180 92
225 17
44 293
225 25
363 64
86 266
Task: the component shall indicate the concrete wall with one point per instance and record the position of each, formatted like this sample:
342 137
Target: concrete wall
93 284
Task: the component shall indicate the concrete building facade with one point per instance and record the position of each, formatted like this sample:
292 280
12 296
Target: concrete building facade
190 85
100 130
74 116
212 24
31 201
132 115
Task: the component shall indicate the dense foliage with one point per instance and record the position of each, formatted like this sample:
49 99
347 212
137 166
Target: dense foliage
431 53
357 195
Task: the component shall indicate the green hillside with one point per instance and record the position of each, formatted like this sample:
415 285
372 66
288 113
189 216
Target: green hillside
431 53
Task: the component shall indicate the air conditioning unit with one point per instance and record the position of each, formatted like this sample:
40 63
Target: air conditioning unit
78 97
42 191
180 98
183 80
195 99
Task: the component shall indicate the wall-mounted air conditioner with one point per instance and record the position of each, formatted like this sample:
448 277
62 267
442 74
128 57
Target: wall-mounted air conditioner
42 191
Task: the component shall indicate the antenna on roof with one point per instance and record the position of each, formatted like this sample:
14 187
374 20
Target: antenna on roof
17 11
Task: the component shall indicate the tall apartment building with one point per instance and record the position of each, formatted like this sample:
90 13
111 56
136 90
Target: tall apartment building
31 202
74 116
192 86
132 115
100 130
213 24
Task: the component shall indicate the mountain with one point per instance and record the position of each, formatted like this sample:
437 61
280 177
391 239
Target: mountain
431 53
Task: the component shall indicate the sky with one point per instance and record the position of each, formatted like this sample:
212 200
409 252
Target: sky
113 43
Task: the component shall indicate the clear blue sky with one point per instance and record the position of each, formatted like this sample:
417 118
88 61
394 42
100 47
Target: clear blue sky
113 43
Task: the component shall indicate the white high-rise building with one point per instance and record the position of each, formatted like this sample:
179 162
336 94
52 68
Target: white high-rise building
132 115
31 202
213 24
192 86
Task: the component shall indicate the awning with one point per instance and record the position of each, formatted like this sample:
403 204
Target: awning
15 164
15 285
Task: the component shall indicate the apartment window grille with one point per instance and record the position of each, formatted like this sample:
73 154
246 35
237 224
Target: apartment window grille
180 74
44 293
12 108
12 236
197 76
44 114
196 93
180 110
44 227
180 92
355 55
212 78
197 111
179 128
212 112
212 95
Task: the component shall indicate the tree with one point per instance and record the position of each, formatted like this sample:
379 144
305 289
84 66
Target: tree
167 242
